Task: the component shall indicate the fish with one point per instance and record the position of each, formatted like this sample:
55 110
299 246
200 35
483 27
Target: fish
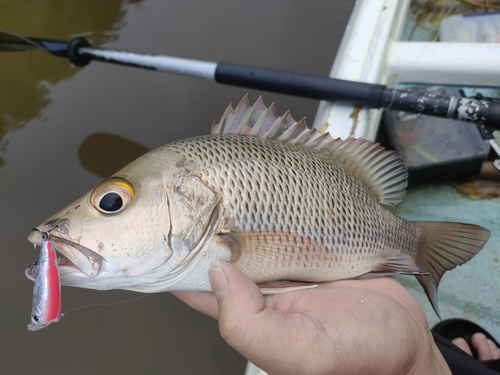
47 304
289 206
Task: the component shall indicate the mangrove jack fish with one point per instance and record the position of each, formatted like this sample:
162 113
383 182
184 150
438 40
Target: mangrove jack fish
287 205
47 289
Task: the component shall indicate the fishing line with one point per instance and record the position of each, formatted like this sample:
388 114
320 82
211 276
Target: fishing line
398 79
105 304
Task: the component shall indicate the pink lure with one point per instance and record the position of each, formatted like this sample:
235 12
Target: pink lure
47 290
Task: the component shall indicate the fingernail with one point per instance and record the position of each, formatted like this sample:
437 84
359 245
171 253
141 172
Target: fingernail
218 280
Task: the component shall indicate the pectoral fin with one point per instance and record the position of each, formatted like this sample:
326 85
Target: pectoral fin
282 286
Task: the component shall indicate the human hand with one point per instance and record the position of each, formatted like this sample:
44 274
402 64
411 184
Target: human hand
371 326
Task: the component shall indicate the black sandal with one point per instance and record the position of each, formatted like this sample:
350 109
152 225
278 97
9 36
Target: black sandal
453 328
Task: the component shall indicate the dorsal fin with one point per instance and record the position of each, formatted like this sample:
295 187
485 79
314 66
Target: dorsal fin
382 172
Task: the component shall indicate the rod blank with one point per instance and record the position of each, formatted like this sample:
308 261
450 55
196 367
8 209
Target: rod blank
80 53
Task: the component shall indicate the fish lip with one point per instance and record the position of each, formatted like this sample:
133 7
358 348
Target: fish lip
72 260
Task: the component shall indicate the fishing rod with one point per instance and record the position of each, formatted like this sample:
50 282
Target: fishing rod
81 53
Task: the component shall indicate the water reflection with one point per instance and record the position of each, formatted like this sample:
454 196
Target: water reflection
106 153
33 74
49 162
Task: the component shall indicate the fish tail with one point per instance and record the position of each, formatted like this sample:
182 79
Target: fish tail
445 245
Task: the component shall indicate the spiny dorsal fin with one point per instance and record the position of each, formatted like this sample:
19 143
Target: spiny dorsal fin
382 172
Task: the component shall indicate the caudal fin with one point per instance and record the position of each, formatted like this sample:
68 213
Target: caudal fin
444 246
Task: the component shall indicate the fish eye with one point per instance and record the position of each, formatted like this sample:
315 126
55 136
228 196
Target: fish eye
35 318
112 195
111 202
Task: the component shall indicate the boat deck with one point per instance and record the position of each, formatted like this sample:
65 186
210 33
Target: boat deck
384 43
374 49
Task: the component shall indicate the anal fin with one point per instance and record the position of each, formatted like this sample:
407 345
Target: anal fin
395 265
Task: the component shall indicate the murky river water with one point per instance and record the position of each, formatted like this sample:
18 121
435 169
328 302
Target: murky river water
63 127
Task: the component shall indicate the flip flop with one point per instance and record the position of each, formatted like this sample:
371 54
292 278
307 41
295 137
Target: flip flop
453 328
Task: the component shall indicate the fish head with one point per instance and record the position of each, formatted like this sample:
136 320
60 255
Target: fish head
118 235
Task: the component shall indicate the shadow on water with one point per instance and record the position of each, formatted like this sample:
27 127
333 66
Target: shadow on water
32 75
67 128
103 153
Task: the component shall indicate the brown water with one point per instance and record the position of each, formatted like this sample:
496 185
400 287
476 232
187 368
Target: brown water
62 127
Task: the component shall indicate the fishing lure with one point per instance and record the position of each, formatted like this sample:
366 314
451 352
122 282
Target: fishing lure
47 290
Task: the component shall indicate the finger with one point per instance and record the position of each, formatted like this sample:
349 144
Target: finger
244 322
462 344
480 342
239 299
204 302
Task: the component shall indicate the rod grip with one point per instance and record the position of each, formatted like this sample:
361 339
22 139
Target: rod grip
298 84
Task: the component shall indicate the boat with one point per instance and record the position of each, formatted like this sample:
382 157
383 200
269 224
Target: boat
394 42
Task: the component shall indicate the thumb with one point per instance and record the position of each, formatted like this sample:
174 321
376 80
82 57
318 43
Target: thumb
239 304
261 334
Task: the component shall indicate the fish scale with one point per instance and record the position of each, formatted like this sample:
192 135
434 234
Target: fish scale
287 205
240 168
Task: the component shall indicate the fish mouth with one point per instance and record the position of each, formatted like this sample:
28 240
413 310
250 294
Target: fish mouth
71 256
